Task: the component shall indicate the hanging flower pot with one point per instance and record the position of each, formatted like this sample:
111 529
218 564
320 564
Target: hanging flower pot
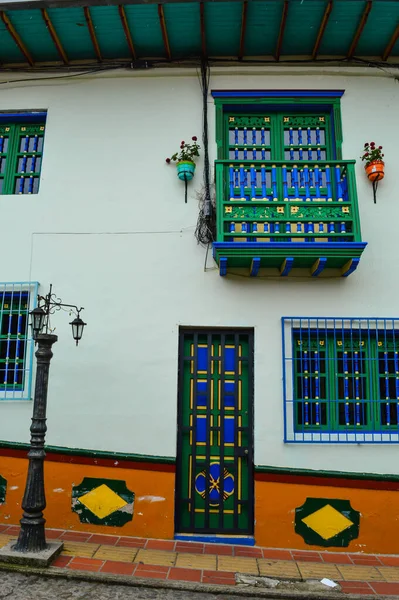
374 166
185 170
185 161
375 170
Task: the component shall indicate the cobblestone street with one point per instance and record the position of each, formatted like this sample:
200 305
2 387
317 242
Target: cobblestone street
31 587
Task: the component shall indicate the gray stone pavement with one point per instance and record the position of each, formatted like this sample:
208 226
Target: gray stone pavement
16 586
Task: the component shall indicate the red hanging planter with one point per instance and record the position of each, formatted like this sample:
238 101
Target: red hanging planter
375 170
374 166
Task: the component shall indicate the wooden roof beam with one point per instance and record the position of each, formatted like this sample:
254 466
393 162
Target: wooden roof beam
126 29
164 31
391 44
243 29
322 29
15 36
93 36
203 32
54 36
282 28
360 28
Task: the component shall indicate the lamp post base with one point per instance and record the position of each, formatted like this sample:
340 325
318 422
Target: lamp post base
43 558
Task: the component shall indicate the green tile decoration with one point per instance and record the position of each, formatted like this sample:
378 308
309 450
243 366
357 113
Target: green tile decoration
3 488
327 522
103 502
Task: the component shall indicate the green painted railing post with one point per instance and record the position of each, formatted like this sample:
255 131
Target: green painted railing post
354 201
221 191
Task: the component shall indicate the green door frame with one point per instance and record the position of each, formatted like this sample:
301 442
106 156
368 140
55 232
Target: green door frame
199 449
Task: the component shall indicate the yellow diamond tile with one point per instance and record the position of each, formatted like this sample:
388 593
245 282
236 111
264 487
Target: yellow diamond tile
78 549
156 557
390 573
196 561
102 501
116 553
278 568
360 573
327 522
4 539
238 564
310 570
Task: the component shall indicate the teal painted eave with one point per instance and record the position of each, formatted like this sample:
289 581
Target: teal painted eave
145 30
31 27
221 35
109 31
341 28
70 25
263 22
300 34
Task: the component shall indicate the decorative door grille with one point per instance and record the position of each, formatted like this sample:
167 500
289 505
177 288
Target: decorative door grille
214 490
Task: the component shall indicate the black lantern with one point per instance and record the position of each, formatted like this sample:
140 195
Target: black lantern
38 316
77 329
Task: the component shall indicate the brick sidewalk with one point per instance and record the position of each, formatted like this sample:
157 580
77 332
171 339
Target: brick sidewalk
364 574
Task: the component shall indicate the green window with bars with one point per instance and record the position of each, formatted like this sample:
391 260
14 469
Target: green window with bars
342 380
332 383
21 153
278 136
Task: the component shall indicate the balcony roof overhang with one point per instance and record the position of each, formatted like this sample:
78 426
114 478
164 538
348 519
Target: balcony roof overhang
36 33
271 259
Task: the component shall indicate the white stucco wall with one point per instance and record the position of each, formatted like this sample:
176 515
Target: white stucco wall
110 229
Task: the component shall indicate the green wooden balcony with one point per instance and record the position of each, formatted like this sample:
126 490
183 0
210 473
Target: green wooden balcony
287 218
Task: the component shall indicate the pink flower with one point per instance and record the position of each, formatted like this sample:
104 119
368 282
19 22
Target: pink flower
372 143
168 160
194 138
379 147
183 142
366 144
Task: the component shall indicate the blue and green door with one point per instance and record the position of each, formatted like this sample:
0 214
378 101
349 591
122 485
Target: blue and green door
214 480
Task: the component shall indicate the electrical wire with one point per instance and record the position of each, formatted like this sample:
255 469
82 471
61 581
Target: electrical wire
205 231
67 76
191 62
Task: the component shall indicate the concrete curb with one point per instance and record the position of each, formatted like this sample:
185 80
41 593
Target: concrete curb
205 588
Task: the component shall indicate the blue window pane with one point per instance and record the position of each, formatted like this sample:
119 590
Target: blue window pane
202 358
229 394
229 359
229 430
201 429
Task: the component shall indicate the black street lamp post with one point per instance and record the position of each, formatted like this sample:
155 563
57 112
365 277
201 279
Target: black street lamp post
32 536
32 539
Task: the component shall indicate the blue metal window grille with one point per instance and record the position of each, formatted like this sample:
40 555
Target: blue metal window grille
341 379
16 344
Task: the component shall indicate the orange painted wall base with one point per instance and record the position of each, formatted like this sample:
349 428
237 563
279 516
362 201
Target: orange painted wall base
153 511
275 505
278 499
